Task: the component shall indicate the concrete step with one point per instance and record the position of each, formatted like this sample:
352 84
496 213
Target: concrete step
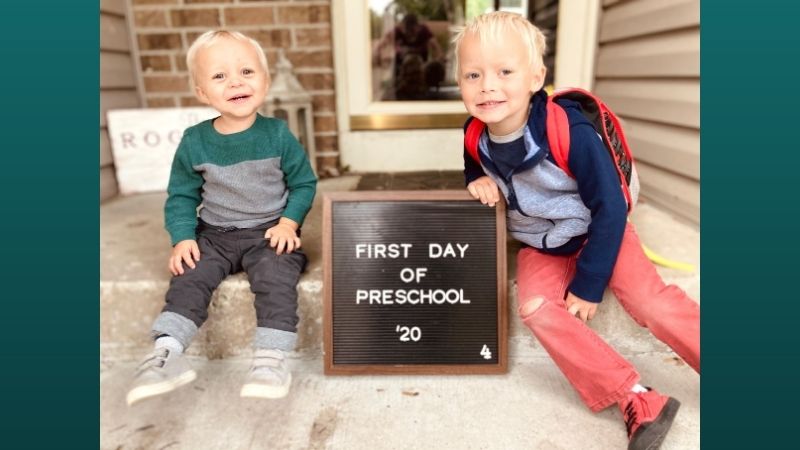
531 407
133 280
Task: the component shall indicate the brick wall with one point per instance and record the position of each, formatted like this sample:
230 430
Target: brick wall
164 29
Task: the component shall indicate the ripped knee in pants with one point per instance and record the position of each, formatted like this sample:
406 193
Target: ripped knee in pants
530 307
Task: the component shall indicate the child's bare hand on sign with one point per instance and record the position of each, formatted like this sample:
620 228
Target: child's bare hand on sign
283 236
185 251
485 190
585 310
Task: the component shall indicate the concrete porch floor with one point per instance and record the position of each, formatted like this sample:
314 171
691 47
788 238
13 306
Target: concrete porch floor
530 407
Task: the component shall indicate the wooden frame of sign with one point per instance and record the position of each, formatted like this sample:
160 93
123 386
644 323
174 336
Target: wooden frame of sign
414 283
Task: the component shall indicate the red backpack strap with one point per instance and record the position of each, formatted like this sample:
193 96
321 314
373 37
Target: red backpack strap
607 125
472 136
558 134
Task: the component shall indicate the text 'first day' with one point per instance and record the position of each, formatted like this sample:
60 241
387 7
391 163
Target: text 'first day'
402 250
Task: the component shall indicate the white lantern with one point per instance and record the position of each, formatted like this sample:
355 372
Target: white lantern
287 100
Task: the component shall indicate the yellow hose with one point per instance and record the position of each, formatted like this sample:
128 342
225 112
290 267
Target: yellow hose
661 261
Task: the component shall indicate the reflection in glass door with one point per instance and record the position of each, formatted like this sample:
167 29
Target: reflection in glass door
411 52
410 42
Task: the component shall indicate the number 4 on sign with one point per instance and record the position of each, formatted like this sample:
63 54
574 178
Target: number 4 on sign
485 352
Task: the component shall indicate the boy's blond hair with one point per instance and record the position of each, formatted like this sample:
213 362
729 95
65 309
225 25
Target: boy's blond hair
208 38
488 27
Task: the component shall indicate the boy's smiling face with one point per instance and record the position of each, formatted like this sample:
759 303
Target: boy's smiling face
230 78
496 80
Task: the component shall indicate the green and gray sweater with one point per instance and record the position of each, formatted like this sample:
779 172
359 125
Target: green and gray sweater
242 179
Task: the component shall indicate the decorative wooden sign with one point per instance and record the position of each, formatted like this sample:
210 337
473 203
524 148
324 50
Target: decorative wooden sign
143 142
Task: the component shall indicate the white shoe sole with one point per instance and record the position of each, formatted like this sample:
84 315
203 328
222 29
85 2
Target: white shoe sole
150 390
256 390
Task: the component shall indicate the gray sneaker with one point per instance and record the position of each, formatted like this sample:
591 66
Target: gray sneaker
161 371
269 375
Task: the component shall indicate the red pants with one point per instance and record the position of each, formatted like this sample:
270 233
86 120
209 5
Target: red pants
599 374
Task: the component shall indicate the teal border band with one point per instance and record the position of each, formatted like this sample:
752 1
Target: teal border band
49 221
750 331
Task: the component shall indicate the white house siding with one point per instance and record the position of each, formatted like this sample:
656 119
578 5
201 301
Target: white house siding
648 72
117 82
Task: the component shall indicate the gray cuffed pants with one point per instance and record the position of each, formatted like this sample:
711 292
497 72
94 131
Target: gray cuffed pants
273 278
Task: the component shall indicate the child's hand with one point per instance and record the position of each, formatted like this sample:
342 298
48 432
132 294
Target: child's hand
485 190
580 307
283 236
184 251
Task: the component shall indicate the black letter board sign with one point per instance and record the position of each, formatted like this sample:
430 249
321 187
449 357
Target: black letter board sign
415 282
